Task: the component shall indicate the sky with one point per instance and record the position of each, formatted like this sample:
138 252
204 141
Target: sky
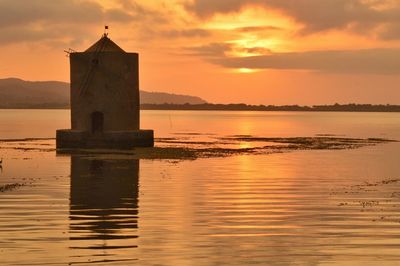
226 51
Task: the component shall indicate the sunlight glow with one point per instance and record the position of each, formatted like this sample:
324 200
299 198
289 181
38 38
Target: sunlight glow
249 17
251 46
252 32
246 70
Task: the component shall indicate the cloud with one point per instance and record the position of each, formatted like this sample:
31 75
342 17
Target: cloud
390 32
187 33
258 29
221 50
21 34
43 20
370 61
318 15
68 22
23 12
210 50
119 15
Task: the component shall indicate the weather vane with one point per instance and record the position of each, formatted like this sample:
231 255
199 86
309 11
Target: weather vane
106 30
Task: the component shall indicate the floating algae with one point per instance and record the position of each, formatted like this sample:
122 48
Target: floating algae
188 149
313 143
378 199
9 187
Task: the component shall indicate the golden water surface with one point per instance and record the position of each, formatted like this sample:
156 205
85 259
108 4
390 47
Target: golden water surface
325 207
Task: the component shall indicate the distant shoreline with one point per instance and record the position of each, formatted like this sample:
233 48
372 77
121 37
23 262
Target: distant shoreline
271 108
243 107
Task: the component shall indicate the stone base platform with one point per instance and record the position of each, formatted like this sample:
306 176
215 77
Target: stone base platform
75 139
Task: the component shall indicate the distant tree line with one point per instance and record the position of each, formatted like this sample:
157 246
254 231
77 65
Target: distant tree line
245 107
235 107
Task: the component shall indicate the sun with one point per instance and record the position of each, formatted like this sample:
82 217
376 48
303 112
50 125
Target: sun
246 70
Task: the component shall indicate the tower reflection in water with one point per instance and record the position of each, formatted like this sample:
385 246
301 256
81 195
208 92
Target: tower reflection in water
103 206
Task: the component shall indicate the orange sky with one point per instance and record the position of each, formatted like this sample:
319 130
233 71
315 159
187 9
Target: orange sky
257 52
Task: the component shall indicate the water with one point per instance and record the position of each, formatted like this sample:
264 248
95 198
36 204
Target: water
323 207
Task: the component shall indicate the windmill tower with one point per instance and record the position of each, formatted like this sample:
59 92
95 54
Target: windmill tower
104 99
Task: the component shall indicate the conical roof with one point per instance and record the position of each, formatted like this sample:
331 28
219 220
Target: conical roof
105 44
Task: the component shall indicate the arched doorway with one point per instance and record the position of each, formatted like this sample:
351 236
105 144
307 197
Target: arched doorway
97 122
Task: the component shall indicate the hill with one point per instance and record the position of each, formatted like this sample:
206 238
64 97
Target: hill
17 93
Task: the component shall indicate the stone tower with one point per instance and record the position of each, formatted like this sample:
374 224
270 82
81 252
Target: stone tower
104 100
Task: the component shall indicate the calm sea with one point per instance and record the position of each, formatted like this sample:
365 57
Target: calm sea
326 207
